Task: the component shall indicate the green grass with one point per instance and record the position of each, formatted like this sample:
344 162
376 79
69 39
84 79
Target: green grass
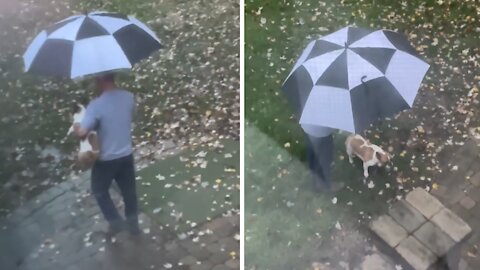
281 237
274 228
200 194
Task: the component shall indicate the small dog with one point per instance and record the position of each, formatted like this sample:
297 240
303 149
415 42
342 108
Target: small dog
369 153
89 147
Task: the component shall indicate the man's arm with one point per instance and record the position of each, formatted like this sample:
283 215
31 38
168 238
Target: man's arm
79 131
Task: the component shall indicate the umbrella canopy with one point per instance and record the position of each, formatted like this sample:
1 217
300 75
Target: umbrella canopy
353 77
88 44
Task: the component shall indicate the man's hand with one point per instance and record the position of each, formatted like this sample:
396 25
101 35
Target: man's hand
79 131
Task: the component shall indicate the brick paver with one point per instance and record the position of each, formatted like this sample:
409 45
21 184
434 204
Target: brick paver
463 189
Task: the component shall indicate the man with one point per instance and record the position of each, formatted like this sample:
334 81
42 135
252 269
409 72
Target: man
320 150
111 115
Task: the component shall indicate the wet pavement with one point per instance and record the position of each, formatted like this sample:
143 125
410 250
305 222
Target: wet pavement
63 229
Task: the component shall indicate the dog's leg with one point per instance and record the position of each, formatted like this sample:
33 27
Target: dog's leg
365 169
70 130
349 153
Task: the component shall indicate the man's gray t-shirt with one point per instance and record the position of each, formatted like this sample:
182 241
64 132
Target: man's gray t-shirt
110 115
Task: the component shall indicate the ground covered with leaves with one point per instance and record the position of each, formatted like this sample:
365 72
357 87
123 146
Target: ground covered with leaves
286 222
187 93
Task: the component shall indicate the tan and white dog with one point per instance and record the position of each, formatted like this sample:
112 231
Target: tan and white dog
89 147
369 153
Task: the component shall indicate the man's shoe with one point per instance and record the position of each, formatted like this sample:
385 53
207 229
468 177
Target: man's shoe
318 183
319 187
114 228
134 231
133 228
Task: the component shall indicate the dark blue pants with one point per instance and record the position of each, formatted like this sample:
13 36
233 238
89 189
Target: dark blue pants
320 158
123 171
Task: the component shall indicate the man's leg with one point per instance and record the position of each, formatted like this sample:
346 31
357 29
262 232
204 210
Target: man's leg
325 158
313 163
102 176
125 179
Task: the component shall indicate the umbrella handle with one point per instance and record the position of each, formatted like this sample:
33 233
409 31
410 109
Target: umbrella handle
363 78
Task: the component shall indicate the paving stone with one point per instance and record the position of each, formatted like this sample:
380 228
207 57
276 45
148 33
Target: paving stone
219 257
407 216
454 195
434 238
221 267
415 253
199 252
474 221
54 192
424 202
188 260
66 186
462 212
235 220
208 238
451 224
229 244
474 239
226 229
175 255
475 179
466 185
233 264
91 211
467 202
202 266
172 245
474 194
62 221
388 230
213 247
221 227
440 192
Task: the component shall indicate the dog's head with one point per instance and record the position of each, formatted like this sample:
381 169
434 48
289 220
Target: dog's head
77 108
79 105
78 112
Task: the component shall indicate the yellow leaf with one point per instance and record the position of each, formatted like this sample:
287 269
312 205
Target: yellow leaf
435 186
420 129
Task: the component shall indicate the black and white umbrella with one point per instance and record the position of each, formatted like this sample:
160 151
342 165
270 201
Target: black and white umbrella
353 77
89 44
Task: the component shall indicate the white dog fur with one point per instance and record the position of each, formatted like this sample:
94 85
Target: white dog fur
370 154
89 148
